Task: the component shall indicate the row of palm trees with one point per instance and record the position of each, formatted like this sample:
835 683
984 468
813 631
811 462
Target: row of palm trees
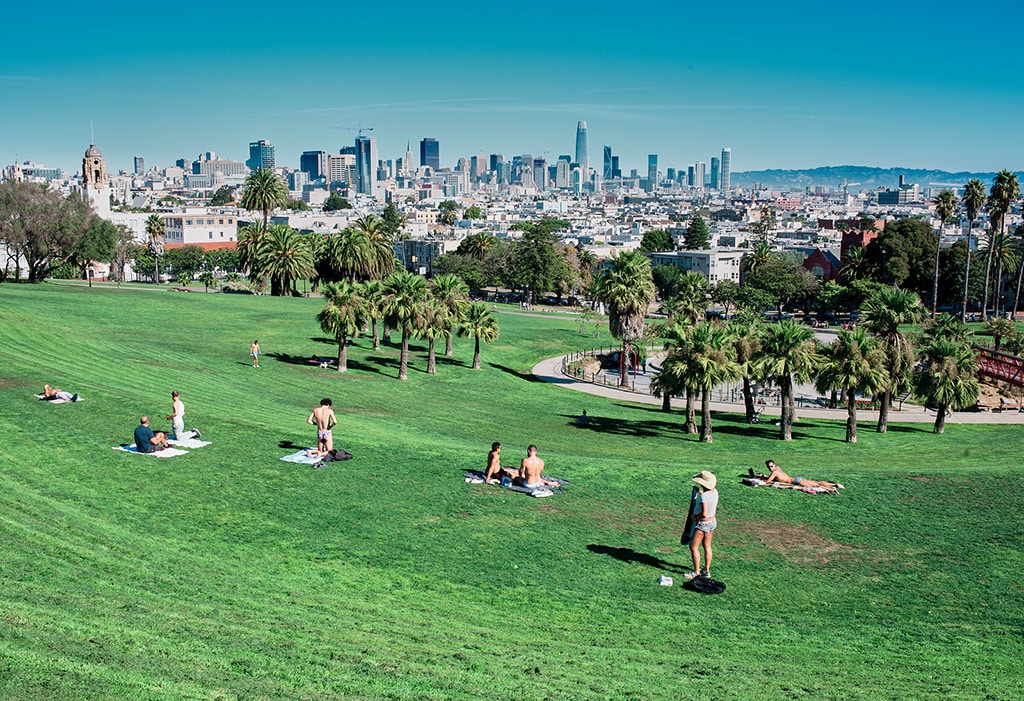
408 303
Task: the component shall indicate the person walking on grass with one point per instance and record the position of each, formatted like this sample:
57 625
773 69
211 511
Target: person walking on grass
705 508
254 351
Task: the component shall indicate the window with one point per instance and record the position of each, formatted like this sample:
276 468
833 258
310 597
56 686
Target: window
220 221
209 222
211 234
188 222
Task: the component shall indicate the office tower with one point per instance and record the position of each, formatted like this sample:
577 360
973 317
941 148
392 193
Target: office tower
582 155
340 168
652 172
140 165
540 173
562 173
430 153
261 155
366 165
407 165
616 171
715 182
691 176
495 161
670 174
698 174
726 169
297 179
608 170
313 164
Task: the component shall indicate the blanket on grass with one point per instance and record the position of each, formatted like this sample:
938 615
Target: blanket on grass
58 401
302 457
165 453
188 442
477 477
755 482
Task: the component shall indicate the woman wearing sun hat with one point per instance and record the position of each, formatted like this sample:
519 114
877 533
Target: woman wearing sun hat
704 509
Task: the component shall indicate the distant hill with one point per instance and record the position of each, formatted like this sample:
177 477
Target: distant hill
857 177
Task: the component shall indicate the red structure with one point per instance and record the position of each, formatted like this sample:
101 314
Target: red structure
1000 366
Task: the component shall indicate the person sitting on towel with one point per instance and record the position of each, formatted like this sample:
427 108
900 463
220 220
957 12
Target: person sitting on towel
495 472
530 471
777 475
51 394
146 441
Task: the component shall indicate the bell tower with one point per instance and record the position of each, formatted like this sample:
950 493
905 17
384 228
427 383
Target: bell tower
94 180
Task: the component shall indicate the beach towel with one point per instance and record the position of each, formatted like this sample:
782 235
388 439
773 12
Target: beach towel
477 477
165 453
74 398
691 524
188 443
302 457
755 482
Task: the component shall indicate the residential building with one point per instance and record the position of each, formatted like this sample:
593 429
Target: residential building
714 264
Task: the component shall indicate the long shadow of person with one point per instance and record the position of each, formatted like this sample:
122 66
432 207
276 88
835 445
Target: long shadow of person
632 556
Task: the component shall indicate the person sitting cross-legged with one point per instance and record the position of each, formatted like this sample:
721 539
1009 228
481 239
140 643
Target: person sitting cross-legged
148 441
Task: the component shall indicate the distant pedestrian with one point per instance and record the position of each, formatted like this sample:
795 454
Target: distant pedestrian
254 351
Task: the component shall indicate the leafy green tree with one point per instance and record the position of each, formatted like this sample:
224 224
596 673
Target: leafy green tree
453 294
697 235
946 378
96 244
156 230
764 227
546 225
855 362
449 212
471 270
627 288
264 191
40 225
537 264
481 325
473 213
788 353
297 206
225 194
123 252
902 254
666 279
403 307
344 314
713 363
335 202
286 256
1005 189
184 262
974 199
392 222
785 281
945 208
883 314
657 240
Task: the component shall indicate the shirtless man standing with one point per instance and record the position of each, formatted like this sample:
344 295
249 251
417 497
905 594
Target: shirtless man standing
323 418
530 471
777 475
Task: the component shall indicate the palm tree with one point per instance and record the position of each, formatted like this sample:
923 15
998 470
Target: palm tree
156 230
945 206
760 253
677 370
788 353
973 199
453 293
883 313
999 329
946 378
1005 189
435 323
343 315
1002 250
480 324
477 245
264 191
286 256
667 383
854 264
250 241
712 362
373 293
949 327
855 362
371 225
627 288
352 254
746 343
403 307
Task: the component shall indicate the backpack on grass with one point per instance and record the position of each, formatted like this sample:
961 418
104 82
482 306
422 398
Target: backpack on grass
705 585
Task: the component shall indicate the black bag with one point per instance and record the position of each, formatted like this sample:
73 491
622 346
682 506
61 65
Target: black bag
336 455
705 585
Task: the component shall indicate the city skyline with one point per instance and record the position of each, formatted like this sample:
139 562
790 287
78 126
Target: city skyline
794 87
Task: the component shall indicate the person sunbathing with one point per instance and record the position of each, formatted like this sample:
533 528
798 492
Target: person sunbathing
52 394
530 471
777 475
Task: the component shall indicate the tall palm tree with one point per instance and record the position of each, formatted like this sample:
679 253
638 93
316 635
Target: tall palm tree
760 253
1002 250
973 199
156 230
667 383
353 255
453 293
435 322
373 293
264 191
713 362
854 265
855 362
403 307
945 207
1005 189
371 225
677 370
882 315
481 325
999 329
286 256
477 245
746 343
627 288
250 241
344 314
946 378
788 353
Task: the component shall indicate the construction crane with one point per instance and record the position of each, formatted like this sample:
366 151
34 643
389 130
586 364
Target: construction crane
360 128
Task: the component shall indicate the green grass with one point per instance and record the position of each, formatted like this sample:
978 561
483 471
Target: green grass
227 574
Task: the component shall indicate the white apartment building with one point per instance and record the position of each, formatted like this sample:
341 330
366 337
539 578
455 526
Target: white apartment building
201 226
714 264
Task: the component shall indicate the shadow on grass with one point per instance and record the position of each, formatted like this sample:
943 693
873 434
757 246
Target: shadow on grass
623 427
291 445
631 556
528 376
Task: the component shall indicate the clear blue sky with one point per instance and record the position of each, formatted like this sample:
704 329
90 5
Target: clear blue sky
784 84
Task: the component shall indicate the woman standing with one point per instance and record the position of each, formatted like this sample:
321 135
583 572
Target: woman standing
704 509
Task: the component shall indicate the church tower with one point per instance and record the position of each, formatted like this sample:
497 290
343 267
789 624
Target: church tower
94 180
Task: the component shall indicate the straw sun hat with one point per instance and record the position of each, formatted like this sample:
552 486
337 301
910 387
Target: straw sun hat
706 479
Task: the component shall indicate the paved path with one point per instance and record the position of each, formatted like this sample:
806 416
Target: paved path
550 371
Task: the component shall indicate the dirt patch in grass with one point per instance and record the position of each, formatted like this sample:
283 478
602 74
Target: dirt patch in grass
14 383
922 478
794 541
631 515
549 508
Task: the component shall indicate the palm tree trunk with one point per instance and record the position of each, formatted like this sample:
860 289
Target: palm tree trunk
625 359
851 416
998 284
1016 296
691 419
940 419
935 281
705 415
884 401
666 401
748 399
967 279
342 355
431 359
403 363
476 351
448 345
786 421
988 274
376 336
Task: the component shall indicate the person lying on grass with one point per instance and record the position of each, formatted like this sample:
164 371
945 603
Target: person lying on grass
52 394
777 475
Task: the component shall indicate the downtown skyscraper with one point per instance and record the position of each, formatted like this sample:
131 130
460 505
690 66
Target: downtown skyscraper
366 165
261 155
582 153
430 153
726 169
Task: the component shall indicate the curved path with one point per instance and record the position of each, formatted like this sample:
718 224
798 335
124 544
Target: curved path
550 371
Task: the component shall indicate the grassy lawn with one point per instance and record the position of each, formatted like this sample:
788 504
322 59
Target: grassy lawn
228 574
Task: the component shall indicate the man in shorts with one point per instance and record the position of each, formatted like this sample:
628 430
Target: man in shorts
494 472
775 474
146 441
323 418
530 471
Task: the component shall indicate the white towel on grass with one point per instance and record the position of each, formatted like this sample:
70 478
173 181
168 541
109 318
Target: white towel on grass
188 443
165 453
301 457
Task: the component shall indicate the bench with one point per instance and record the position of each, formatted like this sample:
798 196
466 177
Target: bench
1007 406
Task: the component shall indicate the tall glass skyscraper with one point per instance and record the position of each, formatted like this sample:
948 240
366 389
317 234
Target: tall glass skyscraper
366 165
609 173
313 164
261 155
582 155
430 153
652 172
715 183
726 169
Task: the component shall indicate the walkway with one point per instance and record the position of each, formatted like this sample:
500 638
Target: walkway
550 371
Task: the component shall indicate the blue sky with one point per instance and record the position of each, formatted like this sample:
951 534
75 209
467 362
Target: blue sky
784 84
